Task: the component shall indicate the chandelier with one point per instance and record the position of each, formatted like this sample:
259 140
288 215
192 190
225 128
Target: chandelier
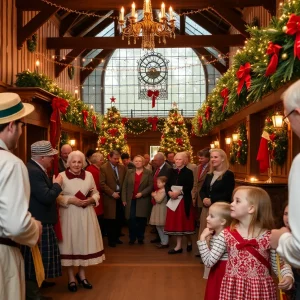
147 28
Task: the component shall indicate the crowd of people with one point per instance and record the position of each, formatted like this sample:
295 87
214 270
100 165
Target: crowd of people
67 213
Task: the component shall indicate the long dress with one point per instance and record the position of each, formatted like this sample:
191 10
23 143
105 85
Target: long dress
82 243
247 278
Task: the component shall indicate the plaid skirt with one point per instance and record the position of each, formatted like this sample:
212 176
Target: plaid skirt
49 252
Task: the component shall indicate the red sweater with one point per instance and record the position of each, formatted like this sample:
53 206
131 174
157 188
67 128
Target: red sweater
137 181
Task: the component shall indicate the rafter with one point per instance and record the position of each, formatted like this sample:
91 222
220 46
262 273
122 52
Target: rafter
67 23
70 57
233 19
115 4
219 66
195 41
98 59
26 31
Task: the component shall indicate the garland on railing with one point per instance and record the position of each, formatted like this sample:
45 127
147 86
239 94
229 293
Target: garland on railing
278 143
269 59
239 148
78 113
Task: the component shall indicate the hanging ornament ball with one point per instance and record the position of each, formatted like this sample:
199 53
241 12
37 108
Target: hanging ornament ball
284 28
284 56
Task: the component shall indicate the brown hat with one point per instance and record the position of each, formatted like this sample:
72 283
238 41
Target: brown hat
42 148
12 108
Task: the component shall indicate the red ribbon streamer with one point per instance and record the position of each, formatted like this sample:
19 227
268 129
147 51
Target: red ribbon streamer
200 122
153 121
293 27
85 115
224 95
94 120
273 49
207 112
154 94
243 74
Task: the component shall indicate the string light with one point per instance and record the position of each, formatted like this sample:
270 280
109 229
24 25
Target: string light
37 63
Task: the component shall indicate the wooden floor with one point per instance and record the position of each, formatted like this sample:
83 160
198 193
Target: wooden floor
139 272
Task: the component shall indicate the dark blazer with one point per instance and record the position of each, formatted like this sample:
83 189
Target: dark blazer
61 166
145 187
43 194
221 190
165 171
108 186
185 179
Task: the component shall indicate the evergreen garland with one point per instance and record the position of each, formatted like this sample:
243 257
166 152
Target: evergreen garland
71 71
239 148
32 43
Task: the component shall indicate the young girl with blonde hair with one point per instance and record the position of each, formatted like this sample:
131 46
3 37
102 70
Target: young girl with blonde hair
247 275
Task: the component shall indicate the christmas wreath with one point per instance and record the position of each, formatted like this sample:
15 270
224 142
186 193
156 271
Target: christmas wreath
71 71
32 43
278 142
239 148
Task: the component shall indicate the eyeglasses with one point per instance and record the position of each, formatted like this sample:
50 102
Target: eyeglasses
286 119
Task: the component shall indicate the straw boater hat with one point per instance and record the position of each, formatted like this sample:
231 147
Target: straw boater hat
42 148
12 108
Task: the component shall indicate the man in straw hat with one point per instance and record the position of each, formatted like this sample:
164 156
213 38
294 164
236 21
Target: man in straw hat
42 206
16 224
286 242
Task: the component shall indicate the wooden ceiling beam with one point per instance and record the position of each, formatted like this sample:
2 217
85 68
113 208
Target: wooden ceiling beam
98 59
232 18
26 31
67 23
270 6
219 66
70 57
192 41
115 4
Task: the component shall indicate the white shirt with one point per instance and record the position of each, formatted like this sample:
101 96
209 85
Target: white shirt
289 243
15 220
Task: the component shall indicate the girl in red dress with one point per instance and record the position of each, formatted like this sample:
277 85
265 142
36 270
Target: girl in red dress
247 241
218 218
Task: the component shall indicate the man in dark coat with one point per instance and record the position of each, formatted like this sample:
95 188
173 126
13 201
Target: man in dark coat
65 150
43 208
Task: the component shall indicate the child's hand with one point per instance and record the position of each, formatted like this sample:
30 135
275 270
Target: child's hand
206 232
286 283
153 194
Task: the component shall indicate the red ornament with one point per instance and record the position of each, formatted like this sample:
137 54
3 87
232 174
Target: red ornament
162 137
124 121
207 112
112 99
293 27
85 115
112 131
153 121
224 95
102 140
153 94
179 141
200 122
94 120
243 74
272 137
240 143
273 49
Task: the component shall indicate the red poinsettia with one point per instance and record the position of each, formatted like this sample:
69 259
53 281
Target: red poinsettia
102 140
113 131
179 141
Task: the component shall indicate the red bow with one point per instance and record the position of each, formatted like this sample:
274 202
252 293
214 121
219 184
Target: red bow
293 27
179 141
272 137
224 95
70 175
60 104
154 94
243 74
112 131
85 115
200 122
247 243
207 112
273 49
124 121
153 121
112 99
94 120
102 140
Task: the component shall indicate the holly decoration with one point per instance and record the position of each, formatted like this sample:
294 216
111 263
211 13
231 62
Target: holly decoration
32 43
278 143
71 71
239 148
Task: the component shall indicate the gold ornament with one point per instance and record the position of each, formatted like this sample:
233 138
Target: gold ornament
284 56
284 28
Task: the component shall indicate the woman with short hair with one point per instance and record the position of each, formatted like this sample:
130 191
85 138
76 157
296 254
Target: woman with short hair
81 243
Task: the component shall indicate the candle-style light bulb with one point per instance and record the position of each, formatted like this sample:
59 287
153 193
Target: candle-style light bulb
171 13
159 17
147 6
37 63
133 9
122 14
136 17
163 10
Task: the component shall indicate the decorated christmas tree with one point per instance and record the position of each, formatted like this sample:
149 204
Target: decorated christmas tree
112 135
175 134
